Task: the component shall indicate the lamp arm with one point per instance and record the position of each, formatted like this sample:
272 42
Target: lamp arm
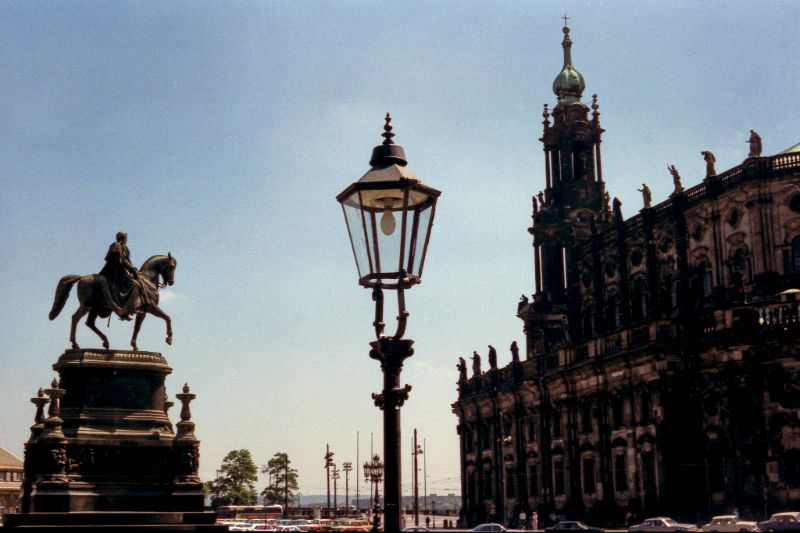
402 314
377 297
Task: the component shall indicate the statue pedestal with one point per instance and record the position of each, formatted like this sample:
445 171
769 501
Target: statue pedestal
108 455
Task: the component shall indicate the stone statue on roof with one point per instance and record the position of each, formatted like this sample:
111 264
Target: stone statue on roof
492 358
647 196
476 364
676 178
709 158
755 144
462 369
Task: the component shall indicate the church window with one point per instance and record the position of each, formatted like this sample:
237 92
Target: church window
534 479
558 477
612 312
610 268
716 471
617 411
511 489
645 408
794 203
484 436
586 417
589 486
531 425
789 467
588 322
488 493
638 300
636 257
734 217
556 423
740 263
620 473
698 231
796 255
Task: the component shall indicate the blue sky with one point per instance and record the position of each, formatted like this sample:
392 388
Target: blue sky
222 132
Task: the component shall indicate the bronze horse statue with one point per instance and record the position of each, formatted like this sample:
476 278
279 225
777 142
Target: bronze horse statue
95 298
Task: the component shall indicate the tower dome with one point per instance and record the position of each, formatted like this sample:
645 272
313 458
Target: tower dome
569 83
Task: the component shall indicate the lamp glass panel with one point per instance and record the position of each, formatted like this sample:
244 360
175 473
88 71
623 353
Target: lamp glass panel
422 233
355 226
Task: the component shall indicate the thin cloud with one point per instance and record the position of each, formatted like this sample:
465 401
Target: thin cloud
169 296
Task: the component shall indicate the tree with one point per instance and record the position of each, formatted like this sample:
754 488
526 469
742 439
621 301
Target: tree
235 482
282 481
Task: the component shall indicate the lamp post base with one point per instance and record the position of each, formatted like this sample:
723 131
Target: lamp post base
391 352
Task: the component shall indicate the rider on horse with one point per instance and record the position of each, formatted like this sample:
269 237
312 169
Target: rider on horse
127 288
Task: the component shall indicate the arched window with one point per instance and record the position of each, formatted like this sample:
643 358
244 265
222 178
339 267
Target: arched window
740 263
705 278
620 472
612 311
511 483
558 477
645 408
586 417
589 486
533 479
638 300
701 282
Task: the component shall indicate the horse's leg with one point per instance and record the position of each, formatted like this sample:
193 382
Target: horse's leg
76 317
157 311
136 326
90 322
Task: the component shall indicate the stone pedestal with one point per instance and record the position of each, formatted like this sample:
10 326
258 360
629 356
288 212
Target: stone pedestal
107 453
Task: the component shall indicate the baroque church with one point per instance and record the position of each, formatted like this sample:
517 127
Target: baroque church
660 373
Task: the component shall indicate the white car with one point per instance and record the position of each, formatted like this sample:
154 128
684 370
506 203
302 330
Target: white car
661 524
729 523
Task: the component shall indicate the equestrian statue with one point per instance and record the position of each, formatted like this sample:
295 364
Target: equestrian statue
118 288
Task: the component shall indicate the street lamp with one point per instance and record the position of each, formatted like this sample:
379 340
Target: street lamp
389 214
374 472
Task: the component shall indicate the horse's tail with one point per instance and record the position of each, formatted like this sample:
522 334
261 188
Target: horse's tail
62 293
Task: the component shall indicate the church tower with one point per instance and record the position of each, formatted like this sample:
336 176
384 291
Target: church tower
573 201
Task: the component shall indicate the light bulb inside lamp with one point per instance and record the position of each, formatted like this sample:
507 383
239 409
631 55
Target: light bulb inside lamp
388 223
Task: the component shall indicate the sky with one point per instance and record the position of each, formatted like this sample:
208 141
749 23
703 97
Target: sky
222 132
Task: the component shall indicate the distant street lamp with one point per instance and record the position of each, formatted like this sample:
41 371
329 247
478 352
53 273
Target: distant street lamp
335 476
389 214
347 467
328 464
374 472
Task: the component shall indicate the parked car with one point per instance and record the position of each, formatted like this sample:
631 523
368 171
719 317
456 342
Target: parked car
788 521
661 524
572 526
489 528
729 523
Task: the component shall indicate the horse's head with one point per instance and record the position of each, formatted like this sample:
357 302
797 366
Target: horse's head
162 266
168 270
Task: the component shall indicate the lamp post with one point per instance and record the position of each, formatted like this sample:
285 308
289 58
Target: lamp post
328 464
389 254
335 476
416 451
347 466
374 472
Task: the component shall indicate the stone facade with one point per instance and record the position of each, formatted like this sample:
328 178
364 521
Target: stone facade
660 372
10 482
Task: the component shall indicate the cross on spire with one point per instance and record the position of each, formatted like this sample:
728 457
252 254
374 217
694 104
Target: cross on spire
566 18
